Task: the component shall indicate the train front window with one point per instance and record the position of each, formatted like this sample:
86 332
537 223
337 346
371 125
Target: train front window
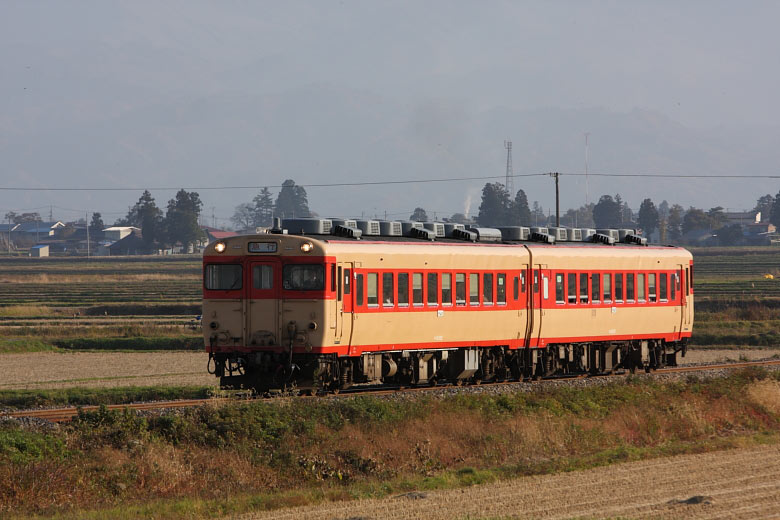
223 277
303 277
262 277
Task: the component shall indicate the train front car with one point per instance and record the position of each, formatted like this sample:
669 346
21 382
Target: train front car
265 311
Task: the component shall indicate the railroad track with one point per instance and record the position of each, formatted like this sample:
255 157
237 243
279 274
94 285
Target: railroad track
60 415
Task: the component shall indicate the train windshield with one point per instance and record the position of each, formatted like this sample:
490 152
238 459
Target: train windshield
303 277
223 277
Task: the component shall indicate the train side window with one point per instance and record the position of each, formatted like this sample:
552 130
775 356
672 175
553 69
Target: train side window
487 288
595 286
536 281
572 287
583 287
433 289
347 285
640 287
473 288
403 289
446 289
333 278
263 277
522 282
651 287
372 289
417 288
662 286
339 289
388 293
545 287
630 287
460 288
673 285
359 290
618 287
501 288
690 282
559 288
607 287
515 287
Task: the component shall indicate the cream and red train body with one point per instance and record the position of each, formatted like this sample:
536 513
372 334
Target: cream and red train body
327 312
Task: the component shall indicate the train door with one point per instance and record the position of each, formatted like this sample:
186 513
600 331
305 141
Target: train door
344 302
262 297
685 298
536 291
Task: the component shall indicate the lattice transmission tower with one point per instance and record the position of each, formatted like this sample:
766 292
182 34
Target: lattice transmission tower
510 186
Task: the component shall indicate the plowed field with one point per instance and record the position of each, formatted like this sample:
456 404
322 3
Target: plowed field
743 483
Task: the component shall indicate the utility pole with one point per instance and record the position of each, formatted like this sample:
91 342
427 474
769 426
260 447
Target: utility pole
9 235
509 173
586 168
86 219
557 200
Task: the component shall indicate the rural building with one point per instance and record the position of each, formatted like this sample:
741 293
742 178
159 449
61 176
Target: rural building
39 251
214 234
742 218
115 233
38 228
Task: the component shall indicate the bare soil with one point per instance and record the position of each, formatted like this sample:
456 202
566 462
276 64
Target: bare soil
741 483
111 369
40 370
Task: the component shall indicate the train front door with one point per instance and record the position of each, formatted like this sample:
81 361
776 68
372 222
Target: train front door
262 307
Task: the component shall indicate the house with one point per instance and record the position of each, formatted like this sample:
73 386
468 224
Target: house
115 233
38 228
742 218
132 244
214 234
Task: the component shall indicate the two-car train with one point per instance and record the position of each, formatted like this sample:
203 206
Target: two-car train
324 312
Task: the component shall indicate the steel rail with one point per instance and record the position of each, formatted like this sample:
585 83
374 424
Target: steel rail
67 414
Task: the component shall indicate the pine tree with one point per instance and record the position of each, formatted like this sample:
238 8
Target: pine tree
674 223
419 215
775 213
520 213
764 206
648 217
494 210
96 225
181 218
292 201
607 214
147 216
263 208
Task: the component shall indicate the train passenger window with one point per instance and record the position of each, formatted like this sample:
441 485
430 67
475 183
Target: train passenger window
662 287
372 289
674 282
223 277
501 288
559 296
303 277
433 289
332 278
583 287
545 287
359 289
630 287
474 288
651 287
417 290
595 286
487 288
515 287
522 282
388 293
460 288
640 287
618 287
690 282
446 289
262 277
607 287
403 289
347 279
536 281
572 287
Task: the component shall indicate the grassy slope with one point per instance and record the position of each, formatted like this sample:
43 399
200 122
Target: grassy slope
266 455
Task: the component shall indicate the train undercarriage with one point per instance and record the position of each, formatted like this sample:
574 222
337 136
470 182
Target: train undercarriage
323 373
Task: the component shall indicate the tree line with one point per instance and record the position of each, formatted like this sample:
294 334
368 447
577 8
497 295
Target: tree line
291 202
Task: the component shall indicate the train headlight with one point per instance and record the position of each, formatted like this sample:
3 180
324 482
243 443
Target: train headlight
220 247
306 247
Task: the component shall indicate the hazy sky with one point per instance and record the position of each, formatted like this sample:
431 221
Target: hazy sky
206 94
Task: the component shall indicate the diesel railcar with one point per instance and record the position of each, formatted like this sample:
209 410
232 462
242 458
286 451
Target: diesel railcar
324 312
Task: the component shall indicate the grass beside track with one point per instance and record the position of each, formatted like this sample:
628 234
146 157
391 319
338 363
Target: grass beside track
60 398
261 455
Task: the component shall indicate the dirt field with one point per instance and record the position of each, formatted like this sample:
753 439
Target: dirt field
742 483
103 369
111 369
